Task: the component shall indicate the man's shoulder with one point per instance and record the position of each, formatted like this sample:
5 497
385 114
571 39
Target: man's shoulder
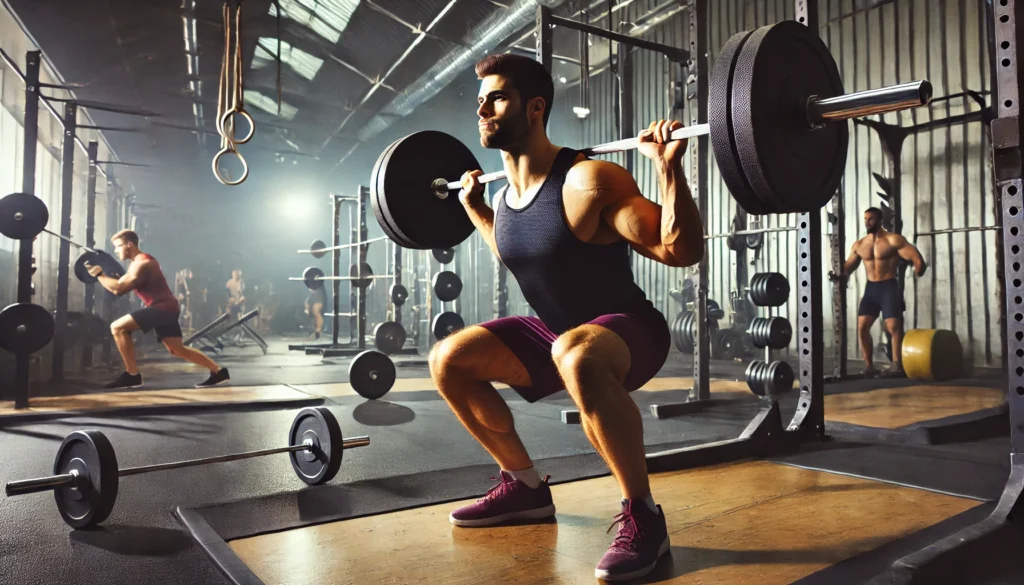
599 177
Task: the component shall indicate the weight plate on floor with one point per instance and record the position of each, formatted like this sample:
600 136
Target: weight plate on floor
443 255
111 266
310 278
359 272
404 196
22 216
321 463
447 285
789 166
317 249
371 374
398 294
25 328
389 337
720 114
445 324
91 499
731 344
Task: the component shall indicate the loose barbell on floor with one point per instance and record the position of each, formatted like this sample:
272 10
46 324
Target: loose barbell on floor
86 475
23 216
774 92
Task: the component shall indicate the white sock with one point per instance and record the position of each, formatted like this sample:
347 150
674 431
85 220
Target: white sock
528 476
649 500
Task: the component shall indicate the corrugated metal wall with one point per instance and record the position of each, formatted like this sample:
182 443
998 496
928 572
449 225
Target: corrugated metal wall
945 183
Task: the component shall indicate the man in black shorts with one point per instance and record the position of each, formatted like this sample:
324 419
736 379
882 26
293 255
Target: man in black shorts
160 313
881 251
315 308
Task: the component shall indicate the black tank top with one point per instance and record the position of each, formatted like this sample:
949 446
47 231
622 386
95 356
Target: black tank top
567 281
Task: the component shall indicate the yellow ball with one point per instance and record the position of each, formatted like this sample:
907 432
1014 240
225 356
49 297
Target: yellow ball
932 354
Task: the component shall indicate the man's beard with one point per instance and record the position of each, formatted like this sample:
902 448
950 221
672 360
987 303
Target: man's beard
509 131
874 228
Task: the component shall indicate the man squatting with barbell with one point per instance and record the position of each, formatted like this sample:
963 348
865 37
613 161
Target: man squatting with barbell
882 252
563 227
160 312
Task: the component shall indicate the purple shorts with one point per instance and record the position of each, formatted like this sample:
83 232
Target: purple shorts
530 340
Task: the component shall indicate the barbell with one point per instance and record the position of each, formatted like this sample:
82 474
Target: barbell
86 476
23 216
773 97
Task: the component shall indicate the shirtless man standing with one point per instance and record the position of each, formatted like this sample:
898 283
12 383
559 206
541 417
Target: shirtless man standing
881 251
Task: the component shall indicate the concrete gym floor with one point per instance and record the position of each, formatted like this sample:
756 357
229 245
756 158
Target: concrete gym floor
838 512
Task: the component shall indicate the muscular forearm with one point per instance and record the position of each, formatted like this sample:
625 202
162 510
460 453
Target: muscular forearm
682 232
111 284
849 266
482 217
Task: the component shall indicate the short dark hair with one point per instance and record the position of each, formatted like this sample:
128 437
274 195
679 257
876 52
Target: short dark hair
527 76
876 211
126 235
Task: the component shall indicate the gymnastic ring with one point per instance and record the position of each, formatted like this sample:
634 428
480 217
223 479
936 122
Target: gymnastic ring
223 120
216 167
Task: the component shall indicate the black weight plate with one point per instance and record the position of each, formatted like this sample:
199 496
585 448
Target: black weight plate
405 176
720 121
398 294
25 328
443 255
389 337
315 246
753 376
321 463
676 331
778 378
359 272
447 285
376 187
779 332
22 216
445 324
371 374
92 498
789 166
731 344
111 266
310 276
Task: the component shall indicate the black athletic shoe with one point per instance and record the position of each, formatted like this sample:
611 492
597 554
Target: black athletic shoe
126 380
217 379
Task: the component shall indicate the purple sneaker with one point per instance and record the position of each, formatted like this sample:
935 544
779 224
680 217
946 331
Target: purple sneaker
642 539
511 499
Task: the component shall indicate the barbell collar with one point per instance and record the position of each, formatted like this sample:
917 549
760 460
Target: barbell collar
883 100
343 246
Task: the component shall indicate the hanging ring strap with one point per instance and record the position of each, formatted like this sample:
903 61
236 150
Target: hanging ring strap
237 93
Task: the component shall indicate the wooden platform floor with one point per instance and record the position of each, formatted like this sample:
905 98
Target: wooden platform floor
755 522
105 400
891 408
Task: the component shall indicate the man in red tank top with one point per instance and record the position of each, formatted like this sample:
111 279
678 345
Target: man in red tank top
160 313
